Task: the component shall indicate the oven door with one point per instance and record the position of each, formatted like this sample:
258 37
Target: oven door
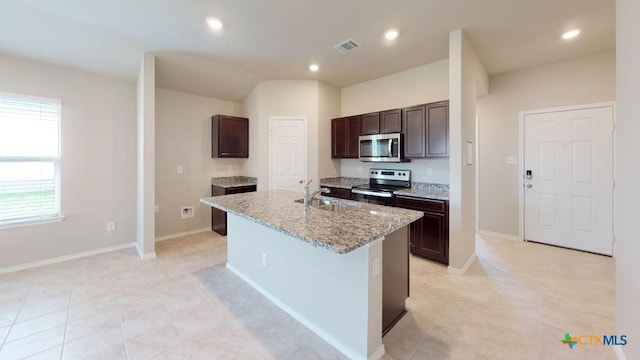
372 197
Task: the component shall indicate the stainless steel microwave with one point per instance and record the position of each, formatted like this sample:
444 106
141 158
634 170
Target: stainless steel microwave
382 148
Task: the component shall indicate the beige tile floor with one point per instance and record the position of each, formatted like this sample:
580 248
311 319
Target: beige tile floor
516 302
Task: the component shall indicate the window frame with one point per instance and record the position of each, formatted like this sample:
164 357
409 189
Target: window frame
56 215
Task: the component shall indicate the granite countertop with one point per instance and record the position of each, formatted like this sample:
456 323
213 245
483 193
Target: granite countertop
426 191
341 232
418 189
234 181
343 182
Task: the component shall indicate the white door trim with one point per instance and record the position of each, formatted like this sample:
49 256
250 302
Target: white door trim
306 142
521 134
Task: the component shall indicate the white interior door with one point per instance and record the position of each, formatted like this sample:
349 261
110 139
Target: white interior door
287 153
568 164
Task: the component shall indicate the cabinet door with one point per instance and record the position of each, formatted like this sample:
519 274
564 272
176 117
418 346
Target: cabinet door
338 138
414 130
391 121
230 136
353 134
438 129
430 237
370 124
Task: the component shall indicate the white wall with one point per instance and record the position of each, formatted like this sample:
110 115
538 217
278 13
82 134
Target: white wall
284 98
98 178
420 85
328 108
627 246
467 80
577 81
146 137
183 137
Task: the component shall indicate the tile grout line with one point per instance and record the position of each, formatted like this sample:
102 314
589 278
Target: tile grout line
172 321
115 296
15 318
66 323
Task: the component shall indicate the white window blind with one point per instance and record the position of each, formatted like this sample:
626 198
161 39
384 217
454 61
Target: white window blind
29 158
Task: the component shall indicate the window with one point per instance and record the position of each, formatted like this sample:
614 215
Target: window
29 159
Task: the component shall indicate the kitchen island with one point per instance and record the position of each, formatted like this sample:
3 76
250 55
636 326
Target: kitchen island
325 268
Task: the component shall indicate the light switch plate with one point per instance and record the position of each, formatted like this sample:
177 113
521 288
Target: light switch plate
512 160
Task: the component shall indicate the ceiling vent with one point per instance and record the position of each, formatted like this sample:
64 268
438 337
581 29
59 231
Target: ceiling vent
347 46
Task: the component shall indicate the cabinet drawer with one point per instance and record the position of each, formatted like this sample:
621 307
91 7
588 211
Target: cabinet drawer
219 190
421 204
338 192
240 189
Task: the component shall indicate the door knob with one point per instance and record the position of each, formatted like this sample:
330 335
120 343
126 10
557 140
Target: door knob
529 186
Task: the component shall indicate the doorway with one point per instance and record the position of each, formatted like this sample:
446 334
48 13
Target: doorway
287 152
567 177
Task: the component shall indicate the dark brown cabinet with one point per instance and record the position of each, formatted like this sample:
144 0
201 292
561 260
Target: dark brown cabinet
338 192
426 130
384 122
438 129
429 235
414 125
344 137
391 121
370 124
219 217
229 137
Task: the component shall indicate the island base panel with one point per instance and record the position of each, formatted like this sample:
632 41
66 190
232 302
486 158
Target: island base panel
337 296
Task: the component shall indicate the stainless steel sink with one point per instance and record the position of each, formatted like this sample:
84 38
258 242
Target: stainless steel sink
332 205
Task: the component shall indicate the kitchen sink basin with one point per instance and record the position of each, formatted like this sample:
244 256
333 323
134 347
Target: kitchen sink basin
332 205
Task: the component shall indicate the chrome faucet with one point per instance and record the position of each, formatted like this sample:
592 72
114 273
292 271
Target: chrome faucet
308 197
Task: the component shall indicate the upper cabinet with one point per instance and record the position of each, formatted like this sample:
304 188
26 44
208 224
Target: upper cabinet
383 122
344 137
391 121
426 130
229 137
370 124
438 129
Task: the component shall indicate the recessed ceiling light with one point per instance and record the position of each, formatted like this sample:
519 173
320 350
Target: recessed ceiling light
391 34
214 23
314 67
571 34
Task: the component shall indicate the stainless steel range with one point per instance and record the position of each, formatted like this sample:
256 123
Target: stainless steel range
382 184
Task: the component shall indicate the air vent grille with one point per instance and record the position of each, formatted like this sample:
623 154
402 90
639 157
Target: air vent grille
347 46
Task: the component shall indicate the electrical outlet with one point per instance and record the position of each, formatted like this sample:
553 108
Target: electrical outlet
180 169
264 260
111 226
429 172
186 212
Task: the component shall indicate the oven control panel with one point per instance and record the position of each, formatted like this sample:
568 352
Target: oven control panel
390 174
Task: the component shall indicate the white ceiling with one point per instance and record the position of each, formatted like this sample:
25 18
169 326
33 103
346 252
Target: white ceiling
277 39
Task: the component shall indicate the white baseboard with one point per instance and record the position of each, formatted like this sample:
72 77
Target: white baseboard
181 234
348 352
619 353
60 259
378 354
144 256
499 235
465 267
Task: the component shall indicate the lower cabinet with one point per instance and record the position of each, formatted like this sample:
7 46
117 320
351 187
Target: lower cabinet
219 217
429 235
338 192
